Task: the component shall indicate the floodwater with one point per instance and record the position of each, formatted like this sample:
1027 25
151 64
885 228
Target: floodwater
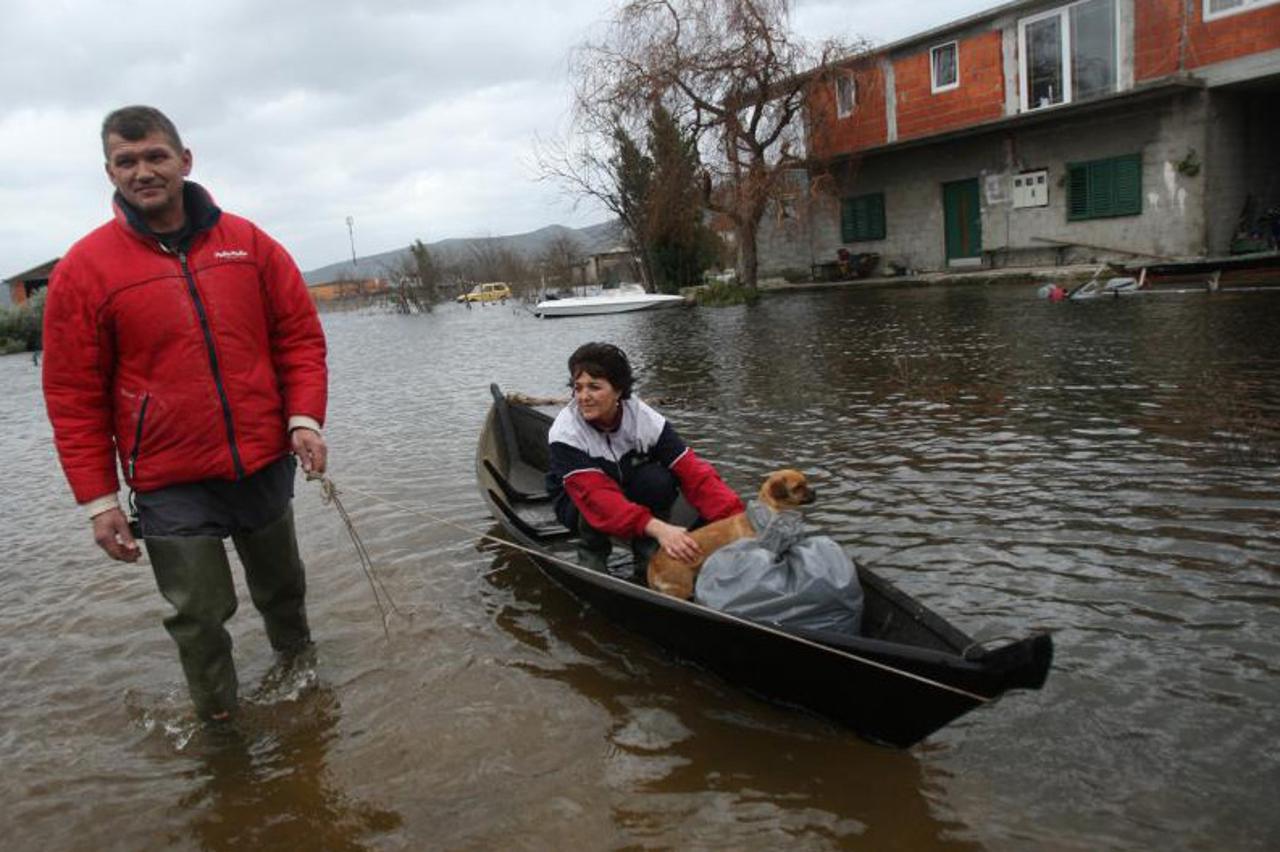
1107 471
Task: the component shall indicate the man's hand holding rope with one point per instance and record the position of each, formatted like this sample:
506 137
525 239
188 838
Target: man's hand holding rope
311 450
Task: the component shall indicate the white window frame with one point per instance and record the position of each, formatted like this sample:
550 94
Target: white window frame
933 68
1063 13
1246 6
846 76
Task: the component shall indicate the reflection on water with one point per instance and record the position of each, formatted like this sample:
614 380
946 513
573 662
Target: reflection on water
712 772
1105 471
272 789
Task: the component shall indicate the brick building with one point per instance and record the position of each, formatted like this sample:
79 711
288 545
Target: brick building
20 287
1042 132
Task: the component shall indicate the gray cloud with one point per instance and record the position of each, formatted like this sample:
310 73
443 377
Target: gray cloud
416 118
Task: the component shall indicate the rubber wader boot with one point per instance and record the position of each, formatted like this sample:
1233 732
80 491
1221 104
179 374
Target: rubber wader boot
594 547
277 582
193 574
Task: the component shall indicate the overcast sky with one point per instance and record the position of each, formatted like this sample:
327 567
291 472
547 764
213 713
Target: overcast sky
416 118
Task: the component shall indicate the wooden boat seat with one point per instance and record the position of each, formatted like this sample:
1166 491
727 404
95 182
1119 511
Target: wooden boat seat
524 474
541 529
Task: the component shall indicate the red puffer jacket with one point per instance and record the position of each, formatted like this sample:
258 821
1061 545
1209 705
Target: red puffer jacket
187 365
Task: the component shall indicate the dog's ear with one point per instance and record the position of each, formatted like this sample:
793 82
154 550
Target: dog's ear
778 488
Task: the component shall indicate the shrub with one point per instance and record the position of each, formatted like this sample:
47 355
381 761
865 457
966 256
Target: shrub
720 294
20 325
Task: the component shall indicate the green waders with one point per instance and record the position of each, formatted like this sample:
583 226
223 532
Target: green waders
193 574
277 583
594 547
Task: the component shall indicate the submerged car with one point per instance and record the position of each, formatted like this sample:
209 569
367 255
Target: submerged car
496 292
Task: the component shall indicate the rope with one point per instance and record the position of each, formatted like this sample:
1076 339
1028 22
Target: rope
328 488
329 495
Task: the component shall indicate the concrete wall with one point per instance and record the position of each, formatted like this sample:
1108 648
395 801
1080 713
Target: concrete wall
784 240
1241 163
1166 132
1173 223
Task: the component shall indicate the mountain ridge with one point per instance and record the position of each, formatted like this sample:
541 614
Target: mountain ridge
451 250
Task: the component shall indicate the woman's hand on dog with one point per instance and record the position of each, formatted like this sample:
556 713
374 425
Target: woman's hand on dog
675 541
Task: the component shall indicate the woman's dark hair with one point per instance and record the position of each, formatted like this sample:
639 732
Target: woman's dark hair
603 360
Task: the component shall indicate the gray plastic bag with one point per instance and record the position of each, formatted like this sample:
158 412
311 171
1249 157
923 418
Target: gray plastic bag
783 577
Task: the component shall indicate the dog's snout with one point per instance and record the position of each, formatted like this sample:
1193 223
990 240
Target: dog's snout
809 496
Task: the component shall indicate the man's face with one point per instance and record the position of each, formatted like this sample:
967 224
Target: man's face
149 174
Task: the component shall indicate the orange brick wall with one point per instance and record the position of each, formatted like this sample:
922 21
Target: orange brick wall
1158 29
1231 37
978 98
1156 25
868 125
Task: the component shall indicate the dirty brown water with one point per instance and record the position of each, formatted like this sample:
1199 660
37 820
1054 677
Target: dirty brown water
1108 471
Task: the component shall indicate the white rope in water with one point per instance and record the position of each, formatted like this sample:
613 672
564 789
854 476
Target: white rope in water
330 495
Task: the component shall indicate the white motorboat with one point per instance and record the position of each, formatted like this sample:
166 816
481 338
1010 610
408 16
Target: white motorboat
618 300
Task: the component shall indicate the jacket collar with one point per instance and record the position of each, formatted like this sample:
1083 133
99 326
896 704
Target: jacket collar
201 211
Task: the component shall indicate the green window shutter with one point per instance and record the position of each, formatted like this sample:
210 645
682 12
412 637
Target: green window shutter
862 218
1128 190
875 216
848 229
1103 188
1102 181
1078 192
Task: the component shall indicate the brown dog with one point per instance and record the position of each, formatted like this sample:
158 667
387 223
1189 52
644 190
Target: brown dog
782 489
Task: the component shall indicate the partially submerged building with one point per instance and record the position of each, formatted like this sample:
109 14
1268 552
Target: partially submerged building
24 285
1046 132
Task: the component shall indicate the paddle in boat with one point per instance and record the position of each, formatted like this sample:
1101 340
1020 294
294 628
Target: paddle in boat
905 674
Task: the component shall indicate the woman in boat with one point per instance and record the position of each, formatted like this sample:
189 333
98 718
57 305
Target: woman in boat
617 466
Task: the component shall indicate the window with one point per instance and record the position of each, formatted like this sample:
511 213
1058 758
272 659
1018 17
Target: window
1068 54
1222 8
846 95
944 64
1102 188
862 218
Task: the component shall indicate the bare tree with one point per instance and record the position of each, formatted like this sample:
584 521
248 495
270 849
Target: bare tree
731 71
559 259
489 260
415 280
598 158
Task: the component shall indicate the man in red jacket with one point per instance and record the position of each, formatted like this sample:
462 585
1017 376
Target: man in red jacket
182 340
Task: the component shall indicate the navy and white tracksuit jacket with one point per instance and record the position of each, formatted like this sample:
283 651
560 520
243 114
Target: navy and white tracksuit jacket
590 467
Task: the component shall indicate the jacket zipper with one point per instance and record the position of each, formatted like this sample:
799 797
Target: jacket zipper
213 364
617 464
137 436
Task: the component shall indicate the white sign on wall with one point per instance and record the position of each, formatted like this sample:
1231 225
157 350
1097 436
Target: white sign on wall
996 188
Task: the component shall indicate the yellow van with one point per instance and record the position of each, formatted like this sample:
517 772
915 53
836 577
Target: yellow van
496 292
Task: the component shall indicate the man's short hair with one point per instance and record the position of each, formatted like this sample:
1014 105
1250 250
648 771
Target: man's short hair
132 123
602 360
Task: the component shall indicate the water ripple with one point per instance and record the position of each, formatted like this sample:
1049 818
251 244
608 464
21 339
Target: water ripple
1106 472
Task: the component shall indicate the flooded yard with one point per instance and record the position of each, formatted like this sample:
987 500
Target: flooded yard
1109 472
